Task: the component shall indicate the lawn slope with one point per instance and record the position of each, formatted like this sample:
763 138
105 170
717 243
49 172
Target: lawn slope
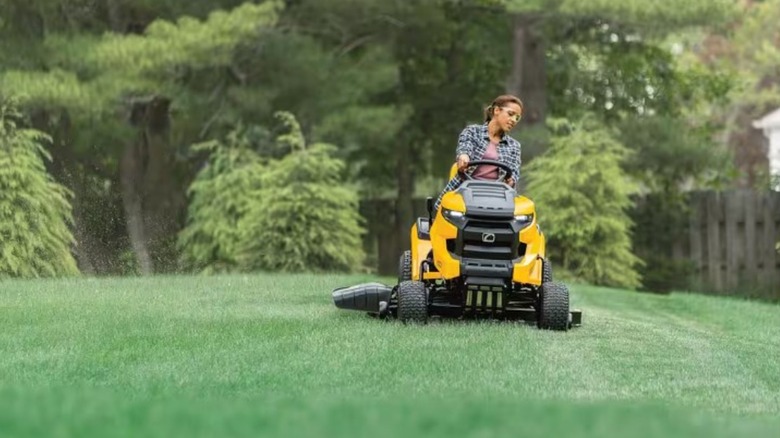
269 355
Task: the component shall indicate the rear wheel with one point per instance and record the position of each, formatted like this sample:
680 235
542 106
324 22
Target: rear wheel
554 311
412 302
405 266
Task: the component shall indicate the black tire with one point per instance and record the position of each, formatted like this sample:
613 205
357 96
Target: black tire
405 267
554 312
412 302
546 271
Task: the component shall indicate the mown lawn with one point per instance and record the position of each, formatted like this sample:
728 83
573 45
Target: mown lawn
269 355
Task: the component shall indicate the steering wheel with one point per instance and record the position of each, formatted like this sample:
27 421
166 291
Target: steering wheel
489 162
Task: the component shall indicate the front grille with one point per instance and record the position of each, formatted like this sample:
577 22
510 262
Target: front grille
488 241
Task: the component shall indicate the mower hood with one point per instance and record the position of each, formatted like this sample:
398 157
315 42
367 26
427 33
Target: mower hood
487 198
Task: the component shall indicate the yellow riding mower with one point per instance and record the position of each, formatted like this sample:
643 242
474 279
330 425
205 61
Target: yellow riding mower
481 255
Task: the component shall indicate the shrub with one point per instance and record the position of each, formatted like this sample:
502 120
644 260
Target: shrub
35 213
304 218
256 212
582 196
220 196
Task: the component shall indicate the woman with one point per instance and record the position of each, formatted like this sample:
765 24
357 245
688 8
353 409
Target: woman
489 141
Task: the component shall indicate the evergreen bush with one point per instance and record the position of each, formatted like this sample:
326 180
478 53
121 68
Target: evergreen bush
35 212
219 197
582 197
253 212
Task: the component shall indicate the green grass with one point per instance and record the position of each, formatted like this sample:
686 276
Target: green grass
271 356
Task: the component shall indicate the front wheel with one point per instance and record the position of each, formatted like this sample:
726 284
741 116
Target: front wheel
554 311
412 302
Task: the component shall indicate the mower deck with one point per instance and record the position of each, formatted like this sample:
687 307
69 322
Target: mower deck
376 300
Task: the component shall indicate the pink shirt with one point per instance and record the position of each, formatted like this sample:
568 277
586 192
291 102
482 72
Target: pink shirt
485 171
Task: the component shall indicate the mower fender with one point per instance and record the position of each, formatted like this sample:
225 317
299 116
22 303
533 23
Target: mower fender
528 271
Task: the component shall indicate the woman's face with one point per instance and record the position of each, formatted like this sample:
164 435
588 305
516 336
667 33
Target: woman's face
508 116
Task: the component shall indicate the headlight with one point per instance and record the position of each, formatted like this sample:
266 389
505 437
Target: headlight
524 220
453 216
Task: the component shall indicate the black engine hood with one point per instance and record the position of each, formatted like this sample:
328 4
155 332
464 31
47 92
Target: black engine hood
489 199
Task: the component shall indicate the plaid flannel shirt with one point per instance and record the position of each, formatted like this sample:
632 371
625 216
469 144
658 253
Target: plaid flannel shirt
473 141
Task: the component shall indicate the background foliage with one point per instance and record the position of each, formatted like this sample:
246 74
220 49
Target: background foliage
34 210
583 195
285 211
162 117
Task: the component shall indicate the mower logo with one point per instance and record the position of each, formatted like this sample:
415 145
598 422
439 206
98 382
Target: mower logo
488 237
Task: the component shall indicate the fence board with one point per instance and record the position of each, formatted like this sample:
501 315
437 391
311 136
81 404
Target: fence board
751 244
773 235
714 276
694 231
768 250
732 206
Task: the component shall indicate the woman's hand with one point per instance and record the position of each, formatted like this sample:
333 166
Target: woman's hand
510 181
463 162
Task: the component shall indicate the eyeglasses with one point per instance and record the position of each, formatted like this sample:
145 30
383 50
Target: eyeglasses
512 115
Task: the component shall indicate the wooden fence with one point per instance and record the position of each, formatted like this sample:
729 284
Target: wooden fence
730 244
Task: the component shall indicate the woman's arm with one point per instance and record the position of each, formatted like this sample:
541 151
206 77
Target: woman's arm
466 142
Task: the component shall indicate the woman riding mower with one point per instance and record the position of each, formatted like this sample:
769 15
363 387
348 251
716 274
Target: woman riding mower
489 141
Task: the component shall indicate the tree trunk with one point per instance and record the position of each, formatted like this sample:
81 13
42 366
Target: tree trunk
163 193
151 195
131 175
403 208
528 78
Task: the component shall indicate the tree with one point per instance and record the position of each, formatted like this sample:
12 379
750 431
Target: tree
749 52
430 72
114 103
219 196
540 25
253 212
305 217
125 88
35 213
582 197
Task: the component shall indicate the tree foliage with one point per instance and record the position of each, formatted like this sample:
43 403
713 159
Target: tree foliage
220 196
582 196
391 83
659 15
35 213
749 53
305 219
254 212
